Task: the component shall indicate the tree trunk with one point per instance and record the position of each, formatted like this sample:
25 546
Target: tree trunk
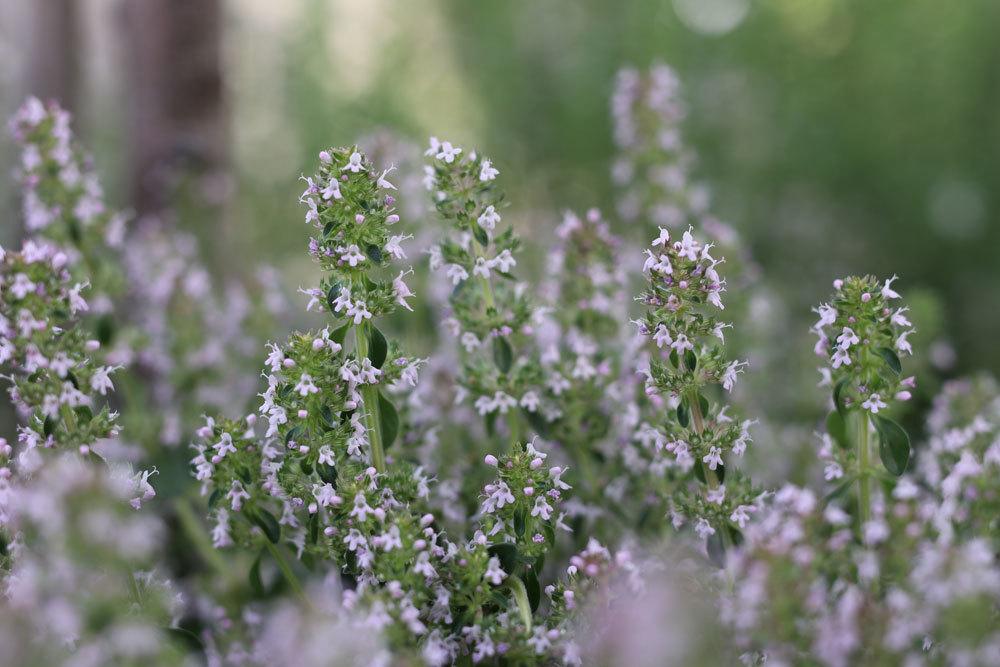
175 100
54 51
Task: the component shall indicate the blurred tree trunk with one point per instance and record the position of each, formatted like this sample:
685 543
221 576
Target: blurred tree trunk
175 101
54 51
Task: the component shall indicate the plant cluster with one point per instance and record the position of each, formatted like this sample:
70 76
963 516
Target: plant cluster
546 487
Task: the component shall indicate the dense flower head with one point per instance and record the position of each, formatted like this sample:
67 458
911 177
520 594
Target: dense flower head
492 315
958 465
654 163
861 333
80 583
350 205
806 585
687 359
55 382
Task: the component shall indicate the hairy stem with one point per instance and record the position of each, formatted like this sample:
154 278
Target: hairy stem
369 393
286 570
864 464
521 597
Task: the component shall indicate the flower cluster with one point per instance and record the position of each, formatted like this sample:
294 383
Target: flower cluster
682 299
63 197
56 385
490 309
860 332
581 338
807 586
81 586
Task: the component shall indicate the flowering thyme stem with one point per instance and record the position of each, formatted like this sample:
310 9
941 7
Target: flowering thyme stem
370 394
864 490
521 597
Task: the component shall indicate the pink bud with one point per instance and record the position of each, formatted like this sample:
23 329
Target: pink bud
866 297
251 419
536 464
391 219
288 363
838 283
313 508
329 530
529 490
903 395
359 218
93 345
491 460
426 520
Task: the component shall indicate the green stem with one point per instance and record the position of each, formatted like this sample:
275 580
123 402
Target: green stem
710 475
197 537
521 597
286 570
369 393
864 465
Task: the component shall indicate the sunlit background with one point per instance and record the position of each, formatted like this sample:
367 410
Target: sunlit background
838 136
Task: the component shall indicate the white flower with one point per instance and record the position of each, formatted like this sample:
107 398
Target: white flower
887 291
354 163
841 357
394 248
504 262
662 336
351 254
359 311
741 515
306 386
681 343
456 273
847 338
489 218
713 458
904 345
729 375
100 381
703 528
493 573
447 152
487 172
874 404
401 290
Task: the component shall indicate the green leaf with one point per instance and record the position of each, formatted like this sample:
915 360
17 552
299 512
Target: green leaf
502 354
256 583
378 347
84 414
894 445
533 589
480 235
716 549
388 419
891 359
313 528
690 360
374 253
683 416
327 473
519 522
507 553
187 637
214 498
836 426
267 523
340 333
105 330
838 397
49 426
703 403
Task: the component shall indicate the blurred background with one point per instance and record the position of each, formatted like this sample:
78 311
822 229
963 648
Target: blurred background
838 136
